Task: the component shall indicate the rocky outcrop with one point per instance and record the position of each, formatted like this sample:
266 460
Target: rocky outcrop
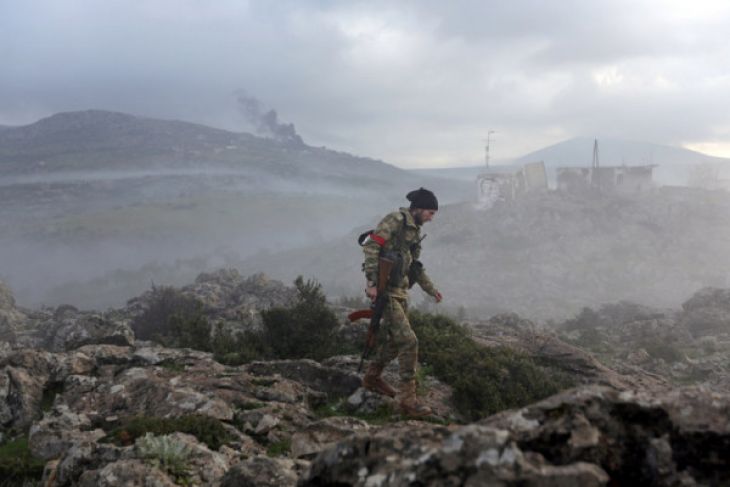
72 403
637 437
674 347
542 344
707 312
228 299
587 436
59 329
416 454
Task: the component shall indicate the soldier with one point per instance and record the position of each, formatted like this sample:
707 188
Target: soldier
399 232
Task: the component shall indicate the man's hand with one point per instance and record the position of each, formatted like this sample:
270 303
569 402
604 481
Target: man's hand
371 292
438 297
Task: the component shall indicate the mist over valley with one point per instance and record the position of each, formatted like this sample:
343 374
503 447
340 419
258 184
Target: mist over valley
97 206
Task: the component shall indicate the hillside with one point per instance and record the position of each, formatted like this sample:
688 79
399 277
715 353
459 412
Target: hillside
96 140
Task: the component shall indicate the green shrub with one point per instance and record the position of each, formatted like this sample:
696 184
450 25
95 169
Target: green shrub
279 448
17 465
668 352
237 349
173 319
206 429
50 392
484 380
166 453
308 329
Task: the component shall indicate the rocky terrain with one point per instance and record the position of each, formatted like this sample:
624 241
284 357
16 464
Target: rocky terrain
98 406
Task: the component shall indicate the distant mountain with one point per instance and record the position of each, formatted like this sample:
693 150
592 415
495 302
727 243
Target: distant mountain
96 140
467 173
674 164
614 152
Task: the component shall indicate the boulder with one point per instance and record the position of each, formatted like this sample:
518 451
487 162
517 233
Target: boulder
677 437
261 471
418 454
332 381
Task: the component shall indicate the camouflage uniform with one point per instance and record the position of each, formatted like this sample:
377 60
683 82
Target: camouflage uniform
396 337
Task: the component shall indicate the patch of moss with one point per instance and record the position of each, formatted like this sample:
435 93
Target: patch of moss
279 448
49 395
17 465
383 415
206 429
263 382
172 366
249 405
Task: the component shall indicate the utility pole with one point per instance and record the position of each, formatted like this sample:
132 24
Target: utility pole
486 149
595 167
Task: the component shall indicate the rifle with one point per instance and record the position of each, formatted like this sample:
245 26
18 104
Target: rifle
375 313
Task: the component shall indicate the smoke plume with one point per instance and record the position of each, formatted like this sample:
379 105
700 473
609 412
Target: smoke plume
267 122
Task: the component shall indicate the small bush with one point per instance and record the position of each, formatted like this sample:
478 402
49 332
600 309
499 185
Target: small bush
306 330
17 465
173 319
484 380
206 429
230 349
166 453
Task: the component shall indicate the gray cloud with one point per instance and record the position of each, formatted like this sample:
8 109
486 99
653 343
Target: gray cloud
413 82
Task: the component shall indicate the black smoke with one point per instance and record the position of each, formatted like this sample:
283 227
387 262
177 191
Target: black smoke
266 122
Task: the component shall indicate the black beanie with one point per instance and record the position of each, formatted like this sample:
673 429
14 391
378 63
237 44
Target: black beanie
423 198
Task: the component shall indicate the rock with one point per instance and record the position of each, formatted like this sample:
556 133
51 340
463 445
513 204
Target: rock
637 437
85 457
230 301
20 397
365 402
707 312
638 357
62 329
59 429
7 300
127 473
261 471
78 329
317 436
332 381
429 455
582 367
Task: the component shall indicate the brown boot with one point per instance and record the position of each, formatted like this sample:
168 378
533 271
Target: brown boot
409 403
375 383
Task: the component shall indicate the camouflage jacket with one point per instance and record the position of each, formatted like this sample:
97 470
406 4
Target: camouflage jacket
392 234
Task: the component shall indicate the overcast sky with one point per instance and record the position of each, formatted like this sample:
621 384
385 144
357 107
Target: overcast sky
415 83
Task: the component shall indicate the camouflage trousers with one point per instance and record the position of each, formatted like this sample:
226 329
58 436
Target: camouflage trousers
396 339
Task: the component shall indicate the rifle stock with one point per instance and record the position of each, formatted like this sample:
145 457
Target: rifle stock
385 268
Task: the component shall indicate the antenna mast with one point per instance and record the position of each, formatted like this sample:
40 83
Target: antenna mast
595 166
486 149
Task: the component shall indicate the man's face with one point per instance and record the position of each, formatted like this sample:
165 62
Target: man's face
422 216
